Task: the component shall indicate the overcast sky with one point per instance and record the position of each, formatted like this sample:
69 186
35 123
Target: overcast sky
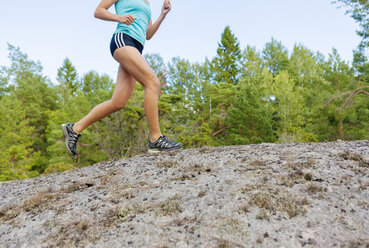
50 31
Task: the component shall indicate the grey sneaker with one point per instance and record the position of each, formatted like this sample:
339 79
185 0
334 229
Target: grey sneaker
70 137
163 144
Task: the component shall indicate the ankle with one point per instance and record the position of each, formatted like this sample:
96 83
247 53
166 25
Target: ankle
155 137
76 129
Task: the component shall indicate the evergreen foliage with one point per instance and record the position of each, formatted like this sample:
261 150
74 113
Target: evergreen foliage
238 97
226 65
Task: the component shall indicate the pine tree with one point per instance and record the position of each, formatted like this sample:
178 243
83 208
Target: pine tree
4 81
68 80
226 65
37 97
250 117
17 157
361 64
96 88
290 109
183 104
252 63
331 119
359 10
275 57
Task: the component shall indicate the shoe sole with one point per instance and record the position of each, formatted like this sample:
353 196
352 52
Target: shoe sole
66 137
163 150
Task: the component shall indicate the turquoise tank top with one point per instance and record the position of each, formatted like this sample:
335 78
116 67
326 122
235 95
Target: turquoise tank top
136 8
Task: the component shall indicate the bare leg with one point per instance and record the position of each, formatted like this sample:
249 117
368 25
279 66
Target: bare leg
135 64
122 92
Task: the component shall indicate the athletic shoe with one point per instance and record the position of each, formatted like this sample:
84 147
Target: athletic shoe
163 144
70 137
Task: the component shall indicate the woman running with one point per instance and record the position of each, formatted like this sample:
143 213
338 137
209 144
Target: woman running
134 28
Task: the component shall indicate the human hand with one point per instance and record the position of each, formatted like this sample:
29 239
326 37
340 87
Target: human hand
127 19
166 7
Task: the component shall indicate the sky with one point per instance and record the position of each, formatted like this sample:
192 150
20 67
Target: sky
50 31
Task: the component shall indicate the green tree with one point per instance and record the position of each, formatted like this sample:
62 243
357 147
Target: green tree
334 119
96 88
226 65
93 89
183 106
252 63
21 65
17 157
4 81
359 9
361 64
275 57
250 117
157 64
68 80
124 133
37 97
338 72
290 104
219 98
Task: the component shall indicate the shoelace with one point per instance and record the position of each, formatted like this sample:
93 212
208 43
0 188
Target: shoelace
74 138
164 142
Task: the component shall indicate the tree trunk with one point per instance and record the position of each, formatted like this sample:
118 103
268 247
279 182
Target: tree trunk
221 130
340 130
78 157
251 129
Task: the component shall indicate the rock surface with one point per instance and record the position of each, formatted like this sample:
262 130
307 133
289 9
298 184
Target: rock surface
262 195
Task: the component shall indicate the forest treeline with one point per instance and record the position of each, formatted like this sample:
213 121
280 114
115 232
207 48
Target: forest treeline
241 96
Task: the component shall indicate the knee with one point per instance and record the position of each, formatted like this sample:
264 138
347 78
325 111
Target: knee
153 84
115 105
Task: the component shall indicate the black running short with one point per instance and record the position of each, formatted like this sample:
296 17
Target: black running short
122 39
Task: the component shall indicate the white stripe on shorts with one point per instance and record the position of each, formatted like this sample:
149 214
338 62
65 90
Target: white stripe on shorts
116 40
122 39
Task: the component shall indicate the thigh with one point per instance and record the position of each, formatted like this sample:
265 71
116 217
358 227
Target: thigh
135 64
124 85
